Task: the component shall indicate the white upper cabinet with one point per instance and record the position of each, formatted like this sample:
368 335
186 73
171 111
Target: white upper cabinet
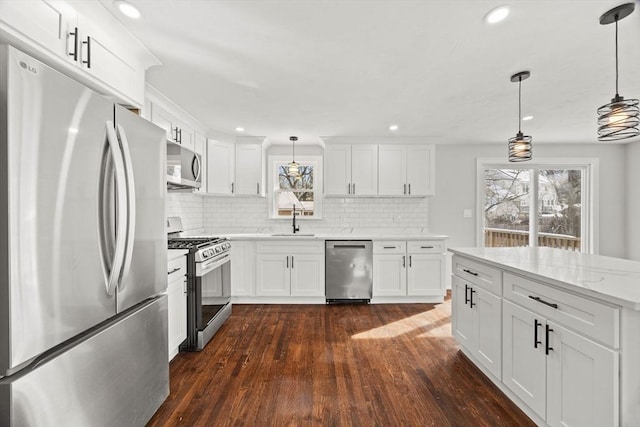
220 167
351 170
406 170
84 40
248 169
235 169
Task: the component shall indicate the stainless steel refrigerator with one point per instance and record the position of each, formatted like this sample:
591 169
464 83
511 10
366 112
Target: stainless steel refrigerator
83 253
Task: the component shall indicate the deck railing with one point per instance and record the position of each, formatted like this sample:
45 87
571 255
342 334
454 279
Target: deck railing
497 237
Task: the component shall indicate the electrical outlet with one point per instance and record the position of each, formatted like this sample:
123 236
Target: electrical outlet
467 213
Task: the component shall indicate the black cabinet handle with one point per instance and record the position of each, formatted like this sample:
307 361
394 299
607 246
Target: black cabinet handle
291 261
404 191
287 261
404 261
535 333
88 61
466 294
353 187
409 188
75 44
540 300
232 188
471 303
426 247
173 271
409 260
470 272
257 188
547 347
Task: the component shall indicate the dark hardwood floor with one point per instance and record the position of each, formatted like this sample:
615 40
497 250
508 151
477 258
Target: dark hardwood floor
335 365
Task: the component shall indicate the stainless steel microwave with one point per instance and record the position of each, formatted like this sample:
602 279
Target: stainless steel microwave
184 168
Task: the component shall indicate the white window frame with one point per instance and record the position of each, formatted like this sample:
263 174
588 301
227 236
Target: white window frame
274 187
590 179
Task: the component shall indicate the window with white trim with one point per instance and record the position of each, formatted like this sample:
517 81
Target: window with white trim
544 203
303 193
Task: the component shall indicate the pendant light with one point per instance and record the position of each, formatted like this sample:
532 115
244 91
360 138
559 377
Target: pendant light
520 145
293 168
620 118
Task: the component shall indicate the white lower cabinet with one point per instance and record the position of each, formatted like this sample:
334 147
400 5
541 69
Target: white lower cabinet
290 269
177 303
243 268
408 268
565 378
477 322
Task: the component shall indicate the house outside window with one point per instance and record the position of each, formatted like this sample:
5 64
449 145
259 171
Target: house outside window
303 192
544 203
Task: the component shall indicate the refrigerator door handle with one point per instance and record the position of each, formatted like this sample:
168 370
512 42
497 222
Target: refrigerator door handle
131 205
112 274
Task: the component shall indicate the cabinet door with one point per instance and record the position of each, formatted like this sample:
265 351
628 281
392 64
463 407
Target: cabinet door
461 314
103 57
582 381
273 275
420 170
307 275
389 275
243 268
392 167
425 275
187 136
337 170
487 321
163 119
201 148
220 167
46 23
523 366
248 169
364 170
176 314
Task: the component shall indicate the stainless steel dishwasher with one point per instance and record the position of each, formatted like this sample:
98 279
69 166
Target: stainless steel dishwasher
348 270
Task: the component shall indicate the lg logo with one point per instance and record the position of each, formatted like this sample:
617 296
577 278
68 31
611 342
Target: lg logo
28 67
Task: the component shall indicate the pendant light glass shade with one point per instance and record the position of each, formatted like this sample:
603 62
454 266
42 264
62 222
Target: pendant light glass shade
293 169
620 119
520 149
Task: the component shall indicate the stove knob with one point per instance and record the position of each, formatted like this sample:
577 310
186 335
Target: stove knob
204 254
218 249
210 252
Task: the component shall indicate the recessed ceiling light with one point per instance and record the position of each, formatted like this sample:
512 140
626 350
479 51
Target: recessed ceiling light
496 15
239 129
127 9
525 118
393 128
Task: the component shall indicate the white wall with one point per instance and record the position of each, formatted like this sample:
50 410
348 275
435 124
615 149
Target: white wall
456 189
632 217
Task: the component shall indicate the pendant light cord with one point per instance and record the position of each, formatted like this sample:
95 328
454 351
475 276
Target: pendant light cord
519 103
617 56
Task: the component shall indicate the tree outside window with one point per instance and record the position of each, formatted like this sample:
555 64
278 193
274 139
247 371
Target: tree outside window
298 191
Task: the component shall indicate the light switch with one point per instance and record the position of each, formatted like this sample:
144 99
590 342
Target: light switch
467 213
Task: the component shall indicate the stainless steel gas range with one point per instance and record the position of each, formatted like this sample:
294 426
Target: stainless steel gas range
208 286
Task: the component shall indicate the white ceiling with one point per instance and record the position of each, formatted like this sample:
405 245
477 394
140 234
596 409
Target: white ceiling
353 67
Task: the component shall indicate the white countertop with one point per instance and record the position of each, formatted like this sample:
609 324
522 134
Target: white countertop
333 234
613 280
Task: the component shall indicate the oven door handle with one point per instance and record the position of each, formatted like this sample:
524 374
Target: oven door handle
212 264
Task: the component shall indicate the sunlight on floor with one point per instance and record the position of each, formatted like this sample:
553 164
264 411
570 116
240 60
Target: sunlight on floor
426 324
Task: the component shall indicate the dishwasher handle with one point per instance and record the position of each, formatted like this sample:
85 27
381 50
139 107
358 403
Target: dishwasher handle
349 244
349 247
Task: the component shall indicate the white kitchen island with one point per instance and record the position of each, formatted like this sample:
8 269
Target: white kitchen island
558 331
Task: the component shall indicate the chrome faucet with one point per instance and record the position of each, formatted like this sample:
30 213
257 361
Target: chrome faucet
296 228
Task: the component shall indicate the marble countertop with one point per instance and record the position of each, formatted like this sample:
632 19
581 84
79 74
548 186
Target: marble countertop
609 279
333 234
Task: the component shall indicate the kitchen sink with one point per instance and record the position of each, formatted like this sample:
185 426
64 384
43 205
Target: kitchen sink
293 235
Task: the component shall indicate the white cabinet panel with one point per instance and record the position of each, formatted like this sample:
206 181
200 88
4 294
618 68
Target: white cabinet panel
524 365
290 269
337 169
420 170
307 275
220 167
389 275
462 316
364 170
392 166
273 275
425 275
243 268
248 169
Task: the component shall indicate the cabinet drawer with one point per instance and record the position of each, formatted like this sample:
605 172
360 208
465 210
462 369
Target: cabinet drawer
176 268
590 318
293 246
477 273
390 247
426 246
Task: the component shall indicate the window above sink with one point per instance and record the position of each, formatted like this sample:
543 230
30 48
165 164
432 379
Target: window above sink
304 192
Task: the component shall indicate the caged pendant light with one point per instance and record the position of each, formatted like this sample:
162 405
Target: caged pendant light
293 169
520 145
620 118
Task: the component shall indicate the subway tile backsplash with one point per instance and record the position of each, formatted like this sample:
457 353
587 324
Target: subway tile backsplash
246 214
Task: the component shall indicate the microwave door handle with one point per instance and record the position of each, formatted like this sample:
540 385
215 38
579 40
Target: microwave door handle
121 209
131 205
196 167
